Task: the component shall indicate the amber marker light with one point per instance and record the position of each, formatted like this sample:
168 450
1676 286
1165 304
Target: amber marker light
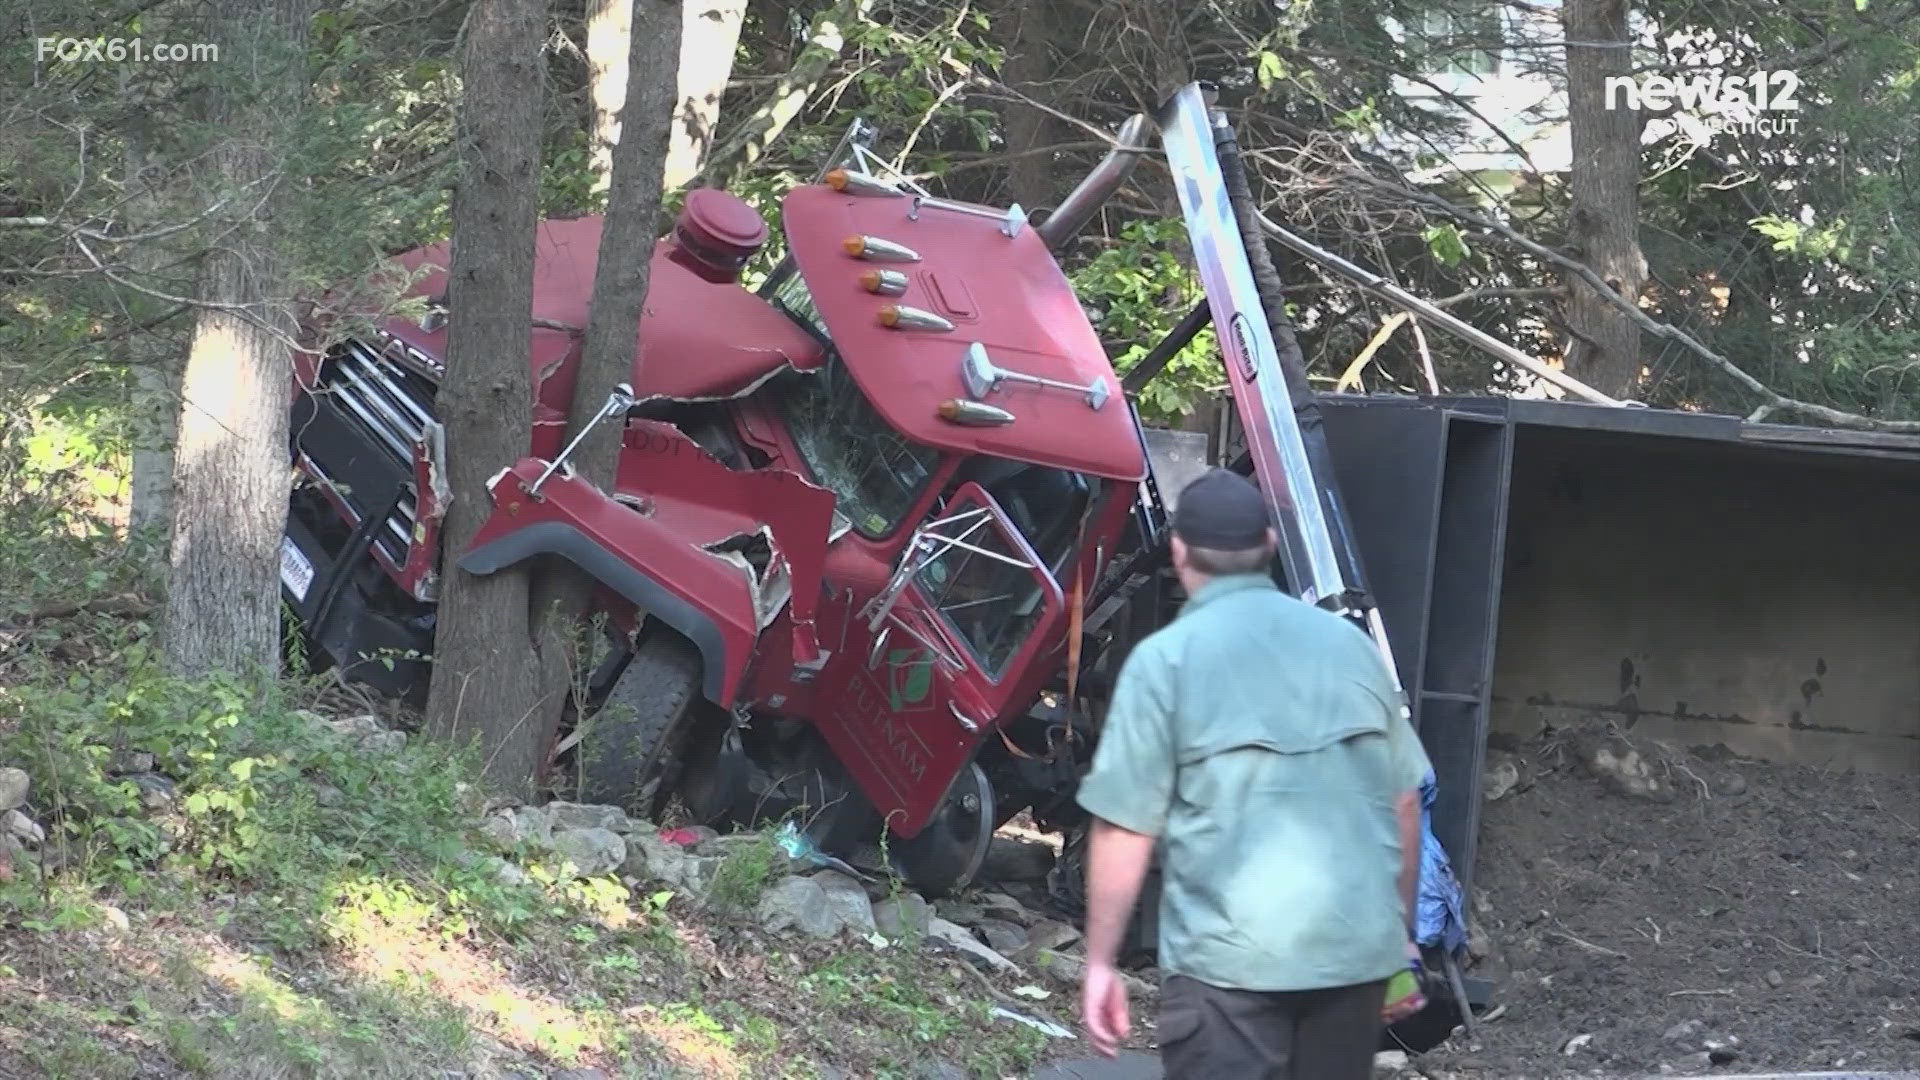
973 413
874 249
884 282
902 317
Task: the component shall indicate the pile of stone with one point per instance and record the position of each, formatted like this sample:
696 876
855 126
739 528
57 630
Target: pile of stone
19 833
996 932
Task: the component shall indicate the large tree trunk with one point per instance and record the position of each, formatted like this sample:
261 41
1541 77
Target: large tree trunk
1604 221
709 36
486 686
561 592
1030 173
230 467
503 655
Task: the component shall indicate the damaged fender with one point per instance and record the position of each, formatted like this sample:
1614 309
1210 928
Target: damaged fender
667 545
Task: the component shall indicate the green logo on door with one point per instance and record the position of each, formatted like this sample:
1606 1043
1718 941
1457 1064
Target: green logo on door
909 678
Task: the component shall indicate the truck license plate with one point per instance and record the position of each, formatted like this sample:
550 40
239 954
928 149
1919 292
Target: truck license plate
295 569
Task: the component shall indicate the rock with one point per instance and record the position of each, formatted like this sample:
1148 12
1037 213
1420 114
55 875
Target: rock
1047 935
1500 777
156 791
801 904
1683 1031
847 899
961 938
115 918
507 872
1389 1062
328 795
1063 967
580 1074
1017 860
1576 1044
25 828
1002 937
568 815
1776 980
1479 942
1621 767
940 1070
499 831
1005 908
958 911
13 788
650 858
591 851
1722 1055
907 915
121 762
366 732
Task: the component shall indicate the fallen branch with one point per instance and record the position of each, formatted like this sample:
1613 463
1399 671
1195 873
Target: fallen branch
826 38
1590 946
128 605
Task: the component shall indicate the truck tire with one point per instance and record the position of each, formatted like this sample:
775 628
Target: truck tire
624 754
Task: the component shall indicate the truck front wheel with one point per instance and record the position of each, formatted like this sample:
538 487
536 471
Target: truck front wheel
626 754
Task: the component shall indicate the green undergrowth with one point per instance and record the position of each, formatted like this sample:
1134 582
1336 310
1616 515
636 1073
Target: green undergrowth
291 904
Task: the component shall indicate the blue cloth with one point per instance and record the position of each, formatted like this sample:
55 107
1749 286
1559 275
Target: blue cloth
1440 921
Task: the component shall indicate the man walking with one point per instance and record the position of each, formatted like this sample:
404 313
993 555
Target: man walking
1259 740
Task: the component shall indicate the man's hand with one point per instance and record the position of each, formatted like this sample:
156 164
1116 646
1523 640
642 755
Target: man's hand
1103 1008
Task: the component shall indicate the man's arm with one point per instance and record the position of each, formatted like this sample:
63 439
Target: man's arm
1117 862
1406 810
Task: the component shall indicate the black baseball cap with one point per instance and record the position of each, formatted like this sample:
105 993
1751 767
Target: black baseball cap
1222 510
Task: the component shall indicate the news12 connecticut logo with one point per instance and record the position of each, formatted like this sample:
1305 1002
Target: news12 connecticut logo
1713 103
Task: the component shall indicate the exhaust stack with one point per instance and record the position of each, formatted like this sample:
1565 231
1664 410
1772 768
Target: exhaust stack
1081 203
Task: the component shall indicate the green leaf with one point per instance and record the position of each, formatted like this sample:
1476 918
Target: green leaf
1269 69
1446 243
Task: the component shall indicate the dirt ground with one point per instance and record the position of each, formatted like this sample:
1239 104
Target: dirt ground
1691 912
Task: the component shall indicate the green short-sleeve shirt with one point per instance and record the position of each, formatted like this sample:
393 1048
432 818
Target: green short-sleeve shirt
1260 739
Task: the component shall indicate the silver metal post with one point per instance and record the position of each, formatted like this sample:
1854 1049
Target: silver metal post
619 401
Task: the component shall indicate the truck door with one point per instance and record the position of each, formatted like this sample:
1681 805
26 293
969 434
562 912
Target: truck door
940 649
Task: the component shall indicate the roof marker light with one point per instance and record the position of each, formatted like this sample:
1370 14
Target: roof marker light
874 249
884 282
902 317
974 414
855 182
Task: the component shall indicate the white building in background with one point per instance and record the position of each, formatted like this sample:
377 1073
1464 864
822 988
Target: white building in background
1506 64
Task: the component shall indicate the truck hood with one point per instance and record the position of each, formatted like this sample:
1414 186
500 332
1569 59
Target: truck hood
1005 293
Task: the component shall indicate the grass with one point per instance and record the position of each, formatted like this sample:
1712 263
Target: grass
254 928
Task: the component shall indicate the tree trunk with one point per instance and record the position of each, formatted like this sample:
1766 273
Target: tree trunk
1030 173
561 591
155 364
230 467
709 36
486 686
1604 215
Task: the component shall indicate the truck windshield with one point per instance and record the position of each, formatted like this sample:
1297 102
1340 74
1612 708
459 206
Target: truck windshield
875 474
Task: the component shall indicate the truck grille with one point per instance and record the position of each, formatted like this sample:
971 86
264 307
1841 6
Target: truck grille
394 406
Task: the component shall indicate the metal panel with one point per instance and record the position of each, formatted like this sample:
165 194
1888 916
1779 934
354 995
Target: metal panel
1388 463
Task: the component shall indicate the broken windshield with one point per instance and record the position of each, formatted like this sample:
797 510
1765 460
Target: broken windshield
875 473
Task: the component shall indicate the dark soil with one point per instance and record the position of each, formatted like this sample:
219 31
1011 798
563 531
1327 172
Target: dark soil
1763 914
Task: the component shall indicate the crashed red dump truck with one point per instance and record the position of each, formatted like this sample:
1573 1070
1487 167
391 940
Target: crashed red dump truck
851 519
881 531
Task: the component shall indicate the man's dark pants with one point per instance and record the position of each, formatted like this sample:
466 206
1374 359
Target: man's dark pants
1207 1032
